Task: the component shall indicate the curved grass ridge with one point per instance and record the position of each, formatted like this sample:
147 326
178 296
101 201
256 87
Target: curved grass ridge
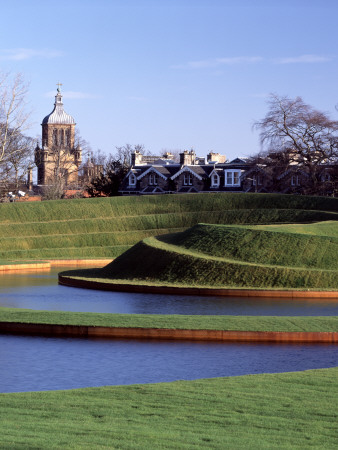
209 255
173 321
106 227
259 246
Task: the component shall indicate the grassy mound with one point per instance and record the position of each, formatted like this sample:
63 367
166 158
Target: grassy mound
106 227
211 255
259 246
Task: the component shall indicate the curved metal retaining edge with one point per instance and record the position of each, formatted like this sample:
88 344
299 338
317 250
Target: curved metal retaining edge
48 263
164 333
80 262
66 281
26 266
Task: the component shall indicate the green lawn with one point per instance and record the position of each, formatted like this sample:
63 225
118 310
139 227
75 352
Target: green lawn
292 410
106 227
327 228
271 411
276 246
240 323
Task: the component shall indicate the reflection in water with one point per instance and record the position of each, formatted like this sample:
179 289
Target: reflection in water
39 290
44 363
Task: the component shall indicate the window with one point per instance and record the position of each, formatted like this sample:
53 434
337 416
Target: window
153 179
256 180
232 177
55 136
67 138
132 180
214 180
187 179
61 137
295 180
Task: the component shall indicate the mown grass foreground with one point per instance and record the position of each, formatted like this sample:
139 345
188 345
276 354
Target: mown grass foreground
224 256
106 227
291 410
185 322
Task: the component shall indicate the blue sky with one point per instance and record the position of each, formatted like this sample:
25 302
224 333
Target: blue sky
171 74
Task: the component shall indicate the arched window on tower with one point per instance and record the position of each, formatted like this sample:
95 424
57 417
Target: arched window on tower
61 137
68 138
55 136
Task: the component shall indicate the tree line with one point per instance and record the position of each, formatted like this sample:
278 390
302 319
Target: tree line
292 134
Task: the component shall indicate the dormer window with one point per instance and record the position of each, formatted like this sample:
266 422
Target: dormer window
187 179
132 180
214 180
153 179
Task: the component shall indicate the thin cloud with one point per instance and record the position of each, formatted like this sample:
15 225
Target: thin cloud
21 54
138 99
303 59
218 62
75 95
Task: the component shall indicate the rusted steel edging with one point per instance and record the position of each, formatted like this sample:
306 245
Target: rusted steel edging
28 266
67 281
100 262
169 334
48 263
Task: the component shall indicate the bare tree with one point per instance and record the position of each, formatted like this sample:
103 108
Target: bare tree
114 169
13 115
17 163
63 170
296 133
15 148
175 154
79 141
63 166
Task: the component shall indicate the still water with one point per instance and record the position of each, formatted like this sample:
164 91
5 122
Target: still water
39 290
41 363
30 363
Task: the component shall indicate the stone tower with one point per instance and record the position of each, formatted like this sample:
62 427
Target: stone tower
58 160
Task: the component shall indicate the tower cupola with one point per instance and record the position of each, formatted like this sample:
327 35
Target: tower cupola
58 115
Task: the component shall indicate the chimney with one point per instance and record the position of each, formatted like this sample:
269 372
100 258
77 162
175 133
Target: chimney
136 158
187 158
216 157
30 179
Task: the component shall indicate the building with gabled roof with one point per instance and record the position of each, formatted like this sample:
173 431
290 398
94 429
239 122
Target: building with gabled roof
191 174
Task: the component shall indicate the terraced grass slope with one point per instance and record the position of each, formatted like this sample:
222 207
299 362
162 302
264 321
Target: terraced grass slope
218 255
106 227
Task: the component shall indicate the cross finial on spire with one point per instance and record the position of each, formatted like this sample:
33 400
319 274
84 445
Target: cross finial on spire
58 85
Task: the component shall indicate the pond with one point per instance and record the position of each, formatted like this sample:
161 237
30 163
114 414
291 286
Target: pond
39 290
30 363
